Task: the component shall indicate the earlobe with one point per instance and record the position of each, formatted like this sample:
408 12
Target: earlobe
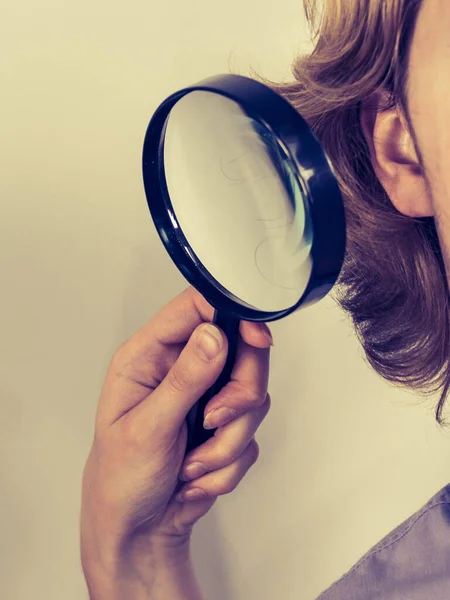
394 159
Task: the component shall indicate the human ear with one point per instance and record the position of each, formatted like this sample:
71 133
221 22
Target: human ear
394 158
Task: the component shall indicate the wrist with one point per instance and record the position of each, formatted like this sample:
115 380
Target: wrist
143 571
146 559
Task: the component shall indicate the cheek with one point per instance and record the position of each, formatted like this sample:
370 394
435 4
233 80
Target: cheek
432 128
428 86
430 115
434 143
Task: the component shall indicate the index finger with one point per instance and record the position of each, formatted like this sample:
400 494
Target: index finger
144 360
247 388
177 320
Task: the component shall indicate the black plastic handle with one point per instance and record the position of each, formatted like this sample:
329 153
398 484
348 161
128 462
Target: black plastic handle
197 434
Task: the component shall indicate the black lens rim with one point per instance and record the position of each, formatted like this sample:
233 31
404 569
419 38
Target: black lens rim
325 202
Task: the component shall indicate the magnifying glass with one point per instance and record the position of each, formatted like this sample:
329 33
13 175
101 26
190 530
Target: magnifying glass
247 205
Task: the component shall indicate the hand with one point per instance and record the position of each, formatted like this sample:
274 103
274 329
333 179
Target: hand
129 506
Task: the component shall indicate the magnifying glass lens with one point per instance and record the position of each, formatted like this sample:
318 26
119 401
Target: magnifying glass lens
235 195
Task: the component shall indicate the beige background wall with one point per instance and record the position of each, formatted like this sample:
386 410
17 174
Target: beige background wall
344 457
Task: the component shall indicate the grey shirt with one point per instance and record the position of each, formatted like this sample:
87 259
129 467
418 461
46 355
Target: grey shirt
411 563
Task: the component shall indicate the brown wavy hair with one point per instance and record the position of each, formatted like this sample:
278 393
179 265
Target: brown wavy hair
393 283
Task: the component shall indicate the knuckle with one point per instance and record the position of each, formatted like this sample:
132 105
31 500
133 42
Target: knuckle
253 451
226 452
249 394
180 377
229 483
255 398
265 406
227 486
125 361
120 359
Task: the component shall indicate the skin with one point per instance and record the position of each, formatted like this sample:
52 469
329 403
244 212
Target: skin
412 164
134 533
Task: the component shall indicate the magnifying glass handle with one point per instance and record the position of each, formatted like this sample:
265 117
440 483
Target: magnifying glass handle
197 435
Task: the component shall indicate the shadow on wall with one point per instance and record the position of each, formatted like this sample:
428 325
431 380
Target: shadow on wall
153 282
210 557
17 519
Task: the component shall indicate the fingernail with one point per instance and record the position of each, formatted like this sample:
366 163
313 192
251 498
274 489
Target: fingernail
194 494
219 418
209 342
193 471
267 333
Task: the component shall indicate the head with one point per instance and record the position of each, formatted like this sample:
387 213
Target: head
374 91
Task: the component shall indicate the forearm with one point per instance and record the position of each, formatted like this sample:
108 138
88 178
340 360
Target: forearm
153 579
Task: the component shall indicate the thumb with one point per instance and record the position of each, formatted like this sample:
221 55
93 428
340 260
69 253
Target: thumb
196 369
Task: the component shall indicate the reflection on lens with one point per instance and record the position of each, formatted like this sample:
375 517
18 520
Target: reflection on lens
237 199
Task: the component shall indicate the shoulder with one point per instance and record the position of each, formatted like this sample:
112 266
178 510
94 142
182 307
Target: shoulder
411 563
